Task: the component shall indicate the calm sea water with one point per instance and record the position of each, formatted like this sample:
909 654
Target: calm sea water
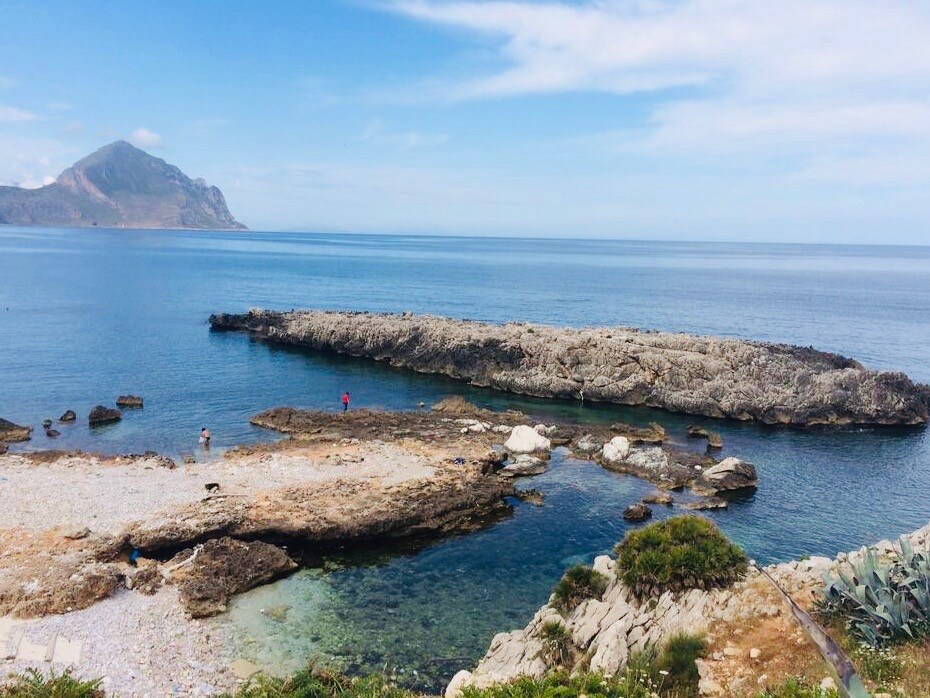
86 315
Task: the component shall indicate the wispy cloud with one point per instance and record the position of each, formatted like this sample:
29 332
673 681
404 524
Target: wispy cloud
814 76
376 132
15 114
144 138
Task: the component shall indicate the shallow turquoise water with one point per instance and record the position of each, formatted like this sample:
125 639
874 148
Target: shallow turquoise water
87 315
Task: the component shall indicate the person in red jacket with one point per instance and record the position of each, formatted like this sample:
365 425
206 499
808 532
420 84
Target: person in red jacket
345 401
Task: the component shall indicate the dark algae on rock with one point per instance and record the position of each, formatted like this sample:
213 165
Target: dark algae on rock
709 376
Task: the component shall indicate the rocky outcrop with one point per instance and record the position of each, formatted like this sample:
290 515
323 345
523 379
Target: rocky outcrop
11 433
524 439
68 416
131 401
710 376
103 415
730 474
211 574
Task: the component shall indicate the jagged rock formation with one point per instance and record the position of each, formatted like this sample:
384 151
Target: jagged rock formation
714 377
119 186
605 632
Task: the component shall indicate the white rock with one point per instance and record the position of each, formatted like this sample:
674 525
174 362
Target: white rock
828 684
524 439
616 450
755 653
524 465
502 429
457 684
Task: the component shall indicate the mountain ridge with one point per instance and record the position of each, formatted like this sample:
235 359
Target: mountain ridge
119 186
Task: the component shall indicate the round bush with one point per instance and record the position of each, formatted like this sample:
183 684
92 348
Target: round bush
683 552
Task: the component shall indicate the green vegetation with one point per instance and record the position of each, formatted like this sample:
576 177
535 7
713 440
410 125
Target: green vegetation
682 552
795 688
678 657
315 683
556 642
879 664
882 603
561 685
578 584
32 684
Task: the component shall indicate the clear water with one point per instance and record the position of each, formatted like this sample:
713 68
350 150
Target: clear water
88 314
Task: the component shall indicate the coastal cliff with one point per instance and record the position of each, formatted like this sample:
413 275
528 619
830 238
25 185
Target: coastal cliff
709 376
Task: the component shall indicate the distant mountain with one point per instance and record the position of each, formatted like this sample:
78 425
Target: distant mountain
119 186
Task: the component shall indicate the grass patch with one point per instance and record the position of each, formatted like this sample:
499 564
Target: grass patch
315 683
795 688
32 684
682 552
562 685
556 644
677 658
578 584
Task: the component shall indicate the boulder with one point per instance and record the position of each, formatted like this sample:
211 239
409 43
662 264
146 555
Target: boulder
11 433
46 423
714 440
729 474
637 512
223 567
103 415
525 465
616 450
52 433
652 434
524 439
131 401
658 497
456 404
587 444
68 416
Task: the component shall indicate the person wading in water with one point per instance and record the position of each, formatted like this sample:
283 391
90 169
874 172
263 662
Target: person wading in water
205 437
345 401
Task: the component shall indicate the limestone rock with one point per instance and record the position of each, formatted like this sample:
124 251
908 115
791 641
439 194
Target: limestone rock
11 433
131 401
708 376
103 415
659 497
524 439
616 450
637 512
714 440
728 475
588 444
222 568
524 465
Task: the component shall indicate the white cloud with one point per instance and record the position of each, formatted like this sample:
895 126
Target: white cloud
144 138
809 75
14 114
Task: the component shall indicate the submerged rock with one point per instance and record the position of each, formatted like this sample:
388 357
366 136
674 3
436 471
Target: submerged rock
524 465
11 433
131 401
709 376
707 503
68 416
658 497
714 440
652 434
208 576
524 439
534 497
103 415
637 512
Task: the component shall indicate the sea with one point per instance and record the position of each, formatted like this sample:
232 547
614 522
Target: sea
90 314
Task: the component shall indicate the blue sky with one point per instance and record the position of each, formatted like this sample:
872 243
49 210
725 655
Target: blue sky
802 120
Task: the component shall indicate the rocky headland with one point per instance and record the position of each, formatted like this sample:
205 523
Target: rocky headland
754 639
709 376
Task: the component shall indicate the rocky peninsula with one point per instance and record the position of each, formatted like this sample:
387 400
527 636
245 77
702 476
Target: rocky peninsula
708 376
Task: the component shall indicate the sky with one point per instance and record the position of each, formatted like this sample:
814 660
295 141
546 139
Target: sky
750 120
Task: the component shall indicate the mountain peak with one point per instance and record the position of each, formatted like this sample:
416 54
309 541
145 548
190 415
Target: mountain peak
119 185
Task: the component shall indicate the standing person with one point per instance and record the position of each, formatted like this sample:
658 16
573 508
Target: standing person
205 437
345 401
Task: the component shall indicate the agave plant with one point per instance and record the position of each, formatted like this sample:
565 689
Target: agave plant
882 602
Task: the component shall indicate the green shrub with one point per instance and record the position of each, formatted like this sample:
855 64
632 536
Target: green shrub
32 684
678 659
315 683
561 685
556 642
682 552
882 603
577 584
795 688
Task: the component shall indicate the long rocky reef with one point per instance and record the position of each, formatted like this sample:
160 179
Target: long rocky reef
707 376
